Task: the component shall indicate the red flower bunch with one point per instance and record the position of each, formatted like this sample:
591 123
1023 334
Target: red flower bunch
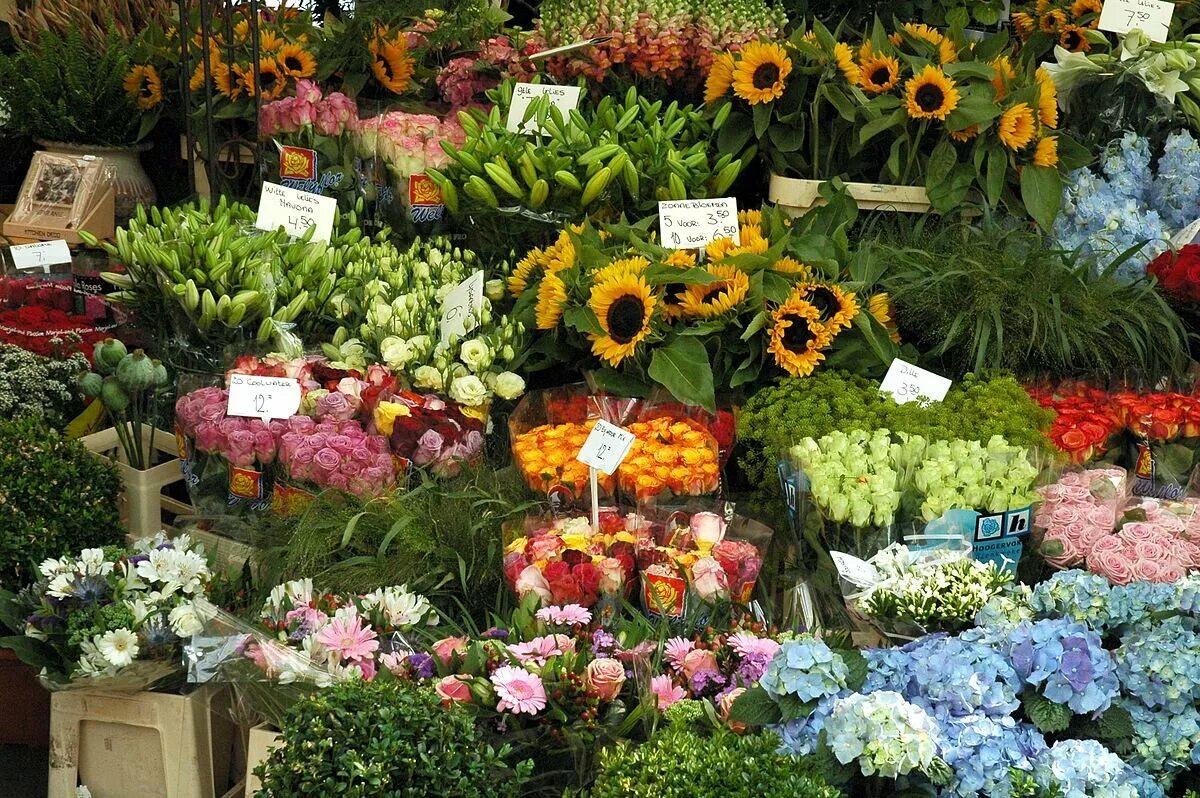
1179 272
428 431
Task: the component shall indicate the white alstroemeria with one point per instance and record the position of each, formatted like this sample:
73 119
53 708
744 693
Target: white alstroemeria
92 563
140 609
400 607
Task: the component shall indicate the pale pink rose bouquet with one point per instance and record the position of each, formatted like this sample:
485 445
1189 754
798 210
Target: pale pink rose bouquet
311 142
1077 511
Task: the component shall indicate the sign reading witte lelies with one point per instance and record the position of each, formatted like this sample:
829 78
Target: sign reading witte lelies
295 211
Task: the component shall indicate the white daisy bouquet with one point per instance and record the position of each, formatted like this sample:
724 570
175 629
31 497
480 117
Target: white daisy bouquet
115 615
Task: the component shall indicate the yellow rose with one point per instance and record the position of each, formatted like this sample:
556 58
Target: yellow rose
577 542
518 544
479 413
626 537
387 413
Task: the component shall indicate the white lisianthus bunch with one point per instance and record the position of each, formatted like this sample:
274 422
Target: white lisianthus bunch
392 310
968 475
113 609
856 477
397 608
889 736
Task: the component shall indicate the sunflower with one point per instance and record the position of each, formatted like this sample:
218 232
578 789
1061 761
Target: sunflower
866 52
797 337
296 61
1004 73
720 78
241 31
946 51
144 86
791 266
880 307
931 95
634 266
753 242
551 298
525 269
966 134
707 301
843 56
836 308
1024 23
1017 126
1081 8
1041 6
391 64
271 79
753 217
1073 38
672 295
623 306
269 42
760 72
880 74
1053 21
1047 99
1046 153
561 254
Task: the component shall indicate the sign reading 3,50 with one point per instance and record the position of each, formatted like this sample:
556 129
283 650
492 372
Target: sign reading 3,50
694 224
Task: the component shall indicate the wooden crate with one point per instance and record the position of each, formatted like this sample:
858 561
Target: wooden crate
141 745
144 508
262 740
797 197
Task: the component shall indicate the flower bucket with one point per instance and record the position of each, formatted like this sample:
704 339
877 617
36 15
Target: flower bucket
141 745
797 197
262 740
24 704
142 501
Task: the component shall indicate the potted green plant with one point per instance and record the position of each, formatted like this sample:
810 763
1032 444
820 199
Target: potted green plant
72 97
59 498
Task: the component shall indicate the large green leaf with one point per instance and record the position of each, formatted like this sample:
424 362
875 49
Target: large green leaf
662 274
1041 191
683 368
737 130
583 320
941 163
619 383
755 708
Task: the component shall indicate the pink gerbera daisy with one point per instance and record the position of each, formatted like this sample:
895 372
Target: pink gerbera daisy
520 691
348 638
745 644
540 649
676 649
566 615
666 692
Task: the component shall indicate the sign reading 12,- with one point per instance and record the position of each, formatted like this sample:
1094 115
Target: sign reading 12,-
605 447
1152 17
694 224
263 397
906 383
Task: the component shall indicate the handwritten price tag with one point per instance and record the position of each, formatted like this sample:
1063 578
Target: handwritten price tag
1152 17
905 382
263 397
40 255
461 307
564 98
854 570
295 211
692 224
606 447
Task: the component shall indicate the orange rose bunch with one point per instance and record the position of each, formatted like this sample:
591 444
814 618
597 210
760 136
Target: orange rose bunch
546 456
678 455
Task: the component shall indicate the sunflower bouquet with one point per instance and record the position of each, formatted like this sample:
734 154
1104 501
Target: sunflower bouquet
915 107
1043 25
693 324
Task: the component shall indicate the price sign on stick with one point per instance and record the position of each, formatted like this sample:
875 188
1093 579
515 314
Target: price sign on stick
604 449
694 224
905 382
40 255
263 397
1152 17
295 211
461 307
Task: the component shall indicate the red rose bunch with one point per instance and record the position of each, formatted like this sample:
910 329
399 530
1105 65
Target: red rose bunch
1179 272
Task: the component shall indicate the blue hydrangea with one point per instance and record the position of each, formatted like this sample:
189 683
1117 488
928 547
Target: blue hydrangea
1188 591
1086 769
1175 194
1077 595
1003 613
806 669
1164 743
982 750
1133 604
799 737
947 676
1066 662
1160 665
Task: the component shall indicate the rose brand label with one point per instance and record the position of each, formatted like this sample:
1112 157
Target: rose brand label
297 163
663 593
424 200
245 483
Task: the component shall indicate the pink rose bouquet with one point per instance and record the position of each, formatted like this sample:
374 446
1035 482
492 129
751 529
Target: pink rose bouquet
312 138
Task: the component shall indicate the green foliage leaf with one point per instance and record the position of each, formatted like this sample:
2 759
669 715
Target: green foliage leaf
755 708
1048 716
683 368
583 319
735 133
1041 192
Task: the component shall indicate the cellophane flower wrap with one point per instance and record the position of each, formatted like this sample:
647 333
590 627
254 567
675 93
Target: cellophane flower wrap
45 313
567 561
115 617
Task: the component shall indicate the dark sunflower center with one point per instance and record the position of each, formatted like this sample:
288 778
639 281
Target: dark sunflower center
293 63
711 293
146 91
881 76
766 76
386 66
930 97
797 336
673 290
1071 40
268 80
625 318
824 300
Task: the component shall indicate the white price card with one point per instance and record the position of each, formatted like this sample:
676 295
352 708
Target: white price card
1152 17
263 397
606 446
40 255
461 307
854 570
905 382
565 98
1185 236
693 224
295 211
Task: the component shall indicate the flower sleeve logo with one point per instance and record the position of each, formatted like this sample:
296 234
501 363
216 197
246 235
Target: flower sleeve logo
297 163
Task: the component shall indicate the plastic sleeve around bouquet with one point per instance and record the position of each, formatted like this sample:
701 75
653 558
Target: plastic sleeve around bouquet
1079 507
565 561
548 428
60 190
676 455
1164 448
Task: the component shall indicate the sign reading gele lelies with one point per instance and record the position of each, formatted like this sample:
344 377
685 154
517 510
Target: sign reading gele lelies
694 224
295 211
1152 17
564 98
